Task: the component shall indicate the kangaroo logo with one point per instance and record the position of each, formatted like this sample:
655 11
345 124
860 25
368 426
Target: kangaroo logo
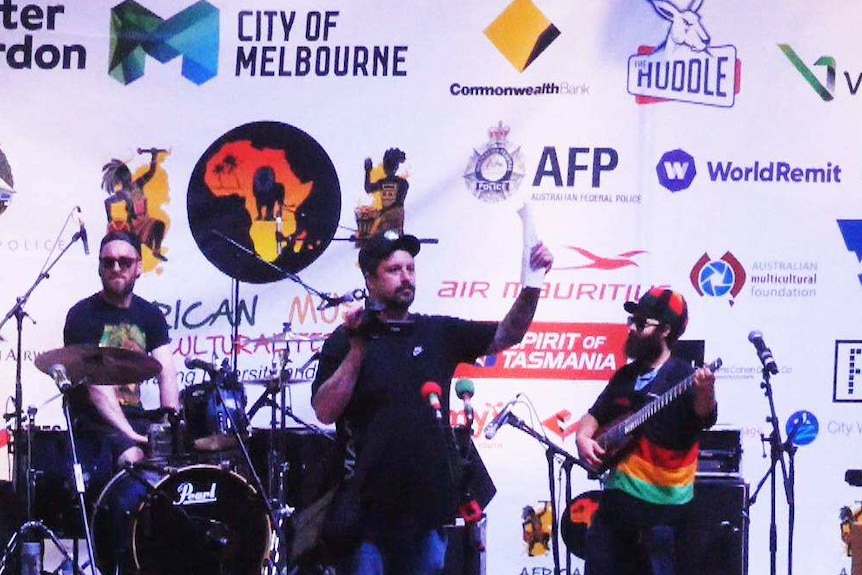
685 67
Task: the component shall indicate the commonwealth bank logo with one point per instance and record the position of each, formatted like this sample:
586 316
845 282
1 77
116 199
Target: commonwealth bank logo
137 32
521 33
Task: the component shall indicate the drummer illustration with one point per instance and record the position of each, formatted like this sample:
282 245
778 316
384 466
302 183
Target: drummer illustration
389 191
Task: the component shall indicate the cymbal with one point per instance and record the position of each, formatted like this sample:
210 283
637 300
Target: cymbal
90 364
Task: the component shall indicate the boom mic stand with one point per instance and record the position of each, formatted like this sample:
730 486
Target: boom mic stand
568 461
777 449
20 468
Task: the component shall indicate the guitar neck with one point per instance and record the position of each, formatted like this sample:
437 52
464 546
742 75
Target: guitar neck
631 423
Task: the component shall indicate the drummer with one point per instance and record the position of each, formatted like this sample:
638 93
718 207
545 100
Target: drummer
116 317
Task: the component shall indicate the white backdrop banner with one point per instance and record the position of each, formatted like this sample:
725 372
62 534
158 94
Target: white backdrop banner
707 146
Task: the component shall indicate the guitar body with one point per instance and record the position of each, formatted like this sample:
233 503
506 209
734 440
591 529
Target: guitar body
617 438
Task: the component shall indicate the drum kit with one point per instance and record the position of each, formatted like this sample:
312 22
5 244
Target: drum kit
195 504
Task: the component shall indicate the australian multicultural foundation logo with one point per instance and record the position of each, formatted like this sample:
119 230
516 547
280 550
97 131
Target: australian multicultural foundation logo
6 183
719 278
263 201
686 67
137 32
495 170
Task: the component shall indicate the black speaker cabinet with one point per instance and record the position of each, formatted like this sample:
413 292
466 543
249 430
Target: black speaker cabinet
465 554
715 541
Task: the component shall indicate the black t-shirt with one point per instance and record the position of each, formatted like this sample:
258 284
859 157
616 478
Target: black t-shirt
141 327
669 438
402 457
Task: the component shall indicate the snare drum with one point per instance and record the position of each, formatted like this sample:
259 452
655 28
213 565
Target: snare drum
209 422
199 519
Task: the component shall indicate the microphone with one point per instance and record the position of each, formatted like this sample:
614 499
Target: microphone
431 392
763 352
82 233
192 363
333 301
465 389
501 419
61 378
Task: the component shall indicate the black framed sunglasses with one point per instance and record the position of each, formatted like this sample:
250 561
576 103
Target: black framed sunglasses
641 323
125 263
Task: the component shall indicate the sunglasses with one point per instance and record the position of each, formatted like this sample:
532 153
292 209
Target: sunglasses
124 262
641 323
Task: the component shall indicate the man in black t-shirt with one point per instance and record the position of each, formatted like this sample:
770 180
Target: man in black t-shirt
369 378
116 317
651 482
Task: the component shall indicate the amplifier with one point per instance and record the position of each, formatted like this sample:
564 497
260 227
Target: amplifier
715 541
720 452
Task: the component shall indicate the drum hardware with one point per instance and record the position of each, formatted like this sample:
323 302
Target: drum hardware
36 531
197 519
234 427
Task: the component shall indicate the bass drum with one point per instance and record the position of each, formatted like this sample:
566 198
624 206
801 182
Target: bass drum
577 519
195 520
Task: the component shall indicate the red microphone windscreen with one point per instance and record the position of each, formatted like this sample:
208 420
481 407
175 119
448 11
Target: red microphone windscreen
431 387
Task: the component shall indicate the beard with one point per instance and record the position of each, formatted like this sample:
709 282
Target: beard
644 349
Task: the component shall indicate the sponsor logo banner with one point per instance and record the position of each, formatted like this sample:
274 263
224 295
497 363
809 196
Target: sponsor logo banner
579 351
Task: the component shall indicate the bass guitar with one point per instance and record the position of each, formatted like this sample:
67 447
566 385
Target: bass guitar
616 437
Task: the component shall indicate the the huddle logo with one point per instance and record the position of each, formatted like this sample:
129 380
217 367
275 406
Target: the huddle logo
686 67
137 32
718 278
676 170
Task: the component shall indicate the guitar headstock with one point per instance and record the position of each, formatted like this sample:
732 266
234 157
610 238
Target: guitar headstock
715 365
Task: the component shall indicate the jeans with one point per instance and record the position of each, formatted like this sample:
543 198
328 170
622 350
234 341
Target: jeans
624 550
420 555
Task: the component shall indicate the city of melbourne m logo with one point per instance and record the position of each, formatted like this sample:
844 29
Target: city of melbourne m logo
137 32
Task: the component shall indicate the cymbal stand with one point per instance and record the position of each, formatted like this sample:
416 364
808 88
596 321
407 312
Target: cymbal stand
34 531
256 482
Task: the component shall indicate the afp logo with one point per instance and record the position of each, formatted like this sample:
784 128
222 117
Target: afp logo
676 170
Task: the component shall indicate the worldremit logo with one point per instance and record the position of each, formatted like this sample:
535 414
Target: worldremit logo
521 33
827 91
34 49
6 183
676 170
718 278
136 32
686 67
851 231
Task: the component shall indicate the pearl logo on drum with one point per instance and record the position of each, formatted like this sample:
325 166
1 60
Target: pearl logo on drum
186 494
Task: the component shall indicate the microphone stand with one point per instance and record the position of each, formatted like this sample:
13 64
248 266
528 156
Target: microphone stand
326 299
19 313
552 450
777 449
